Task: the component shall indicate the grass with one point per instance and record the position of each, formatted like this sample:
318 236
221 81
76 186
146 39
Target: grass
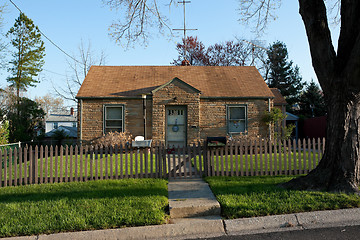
51 208
260 196
267 162
132 164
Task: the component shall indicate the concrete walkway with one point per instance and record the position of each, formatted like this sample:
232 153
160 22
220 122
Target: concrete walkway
191 197
191 202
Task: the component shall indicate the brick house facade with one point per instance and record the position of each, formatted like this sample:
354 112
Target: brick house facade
179 104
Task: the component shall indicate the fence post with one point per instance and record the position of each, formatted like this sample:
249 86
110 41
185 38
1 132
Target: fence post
164 160
35 165
206 160
1 163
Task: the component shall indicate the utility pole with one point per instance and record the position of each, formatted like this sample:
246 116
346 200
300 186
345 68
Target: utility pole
184 28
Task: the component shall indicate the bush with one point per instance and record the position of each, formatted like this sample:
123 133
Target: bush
242 137
114 138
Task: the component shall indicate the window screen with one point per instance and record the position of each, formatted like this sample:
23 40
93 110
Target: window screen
113 119
236 119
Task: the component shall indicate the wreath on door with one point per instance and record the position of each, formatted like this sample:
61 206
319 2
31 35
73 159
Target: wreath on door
175 128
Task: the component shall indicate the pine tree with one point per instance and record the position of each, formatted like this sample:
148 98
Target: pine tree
28 54
283 75
312 103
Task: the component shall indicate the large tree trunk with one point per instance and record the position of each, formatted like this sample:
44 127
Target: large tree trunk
339 76
339 169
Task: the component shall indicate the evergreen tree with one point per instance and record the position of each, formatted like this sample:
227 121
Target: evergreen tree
283 75
25 120
312 103
28 56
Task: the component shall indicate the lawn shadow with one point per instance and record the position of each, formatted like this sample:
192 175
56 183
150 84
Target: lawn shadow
97 192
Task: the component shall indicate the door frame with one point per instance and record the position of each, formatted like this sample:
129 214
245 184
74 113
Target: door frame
183 107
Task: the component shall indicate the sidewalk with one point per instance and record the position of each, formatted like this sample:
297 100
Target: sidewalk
191 202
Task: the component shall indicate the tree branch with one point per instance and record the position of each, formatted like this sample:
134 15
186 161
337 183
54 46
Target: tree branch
313 13
349 40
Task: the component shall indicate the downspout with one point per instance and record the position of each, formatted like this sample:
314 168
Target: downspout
269 109
80 120
144 113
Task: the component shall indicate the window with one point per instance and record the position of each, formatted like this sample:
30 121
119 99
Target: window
74 124
113 118
56 125
173 112
237 118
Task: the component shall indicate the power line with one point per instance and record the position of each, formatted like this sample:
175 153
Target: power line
54 72
68 55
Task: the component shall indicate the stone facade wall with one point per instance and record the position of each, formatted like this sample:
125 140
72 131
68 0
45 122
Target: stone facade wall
205 117
213 116
176 94
92 123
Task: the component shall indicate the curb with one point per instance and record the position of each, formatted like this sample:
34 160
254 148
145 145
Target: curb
188 228
180 229
293 222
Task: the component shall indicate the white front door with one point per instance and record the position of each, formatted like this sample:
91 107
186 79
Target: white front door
176 126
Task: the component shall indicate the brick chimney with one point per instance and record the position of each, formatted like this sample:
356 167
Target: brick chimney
72 111
185 62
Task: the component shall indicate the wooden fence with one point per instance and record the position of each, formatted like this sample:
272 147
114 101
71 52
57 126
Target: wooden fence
85 163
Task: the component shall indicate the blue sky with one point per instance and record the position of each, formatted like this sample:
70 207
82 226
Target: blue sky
67 22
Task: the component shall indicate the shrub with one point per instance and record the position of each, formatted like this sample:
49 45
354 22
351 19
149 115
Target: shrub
113 138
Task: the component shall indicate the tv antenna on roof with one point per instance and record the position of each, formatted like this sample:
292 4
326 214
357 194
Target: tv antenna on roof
184 29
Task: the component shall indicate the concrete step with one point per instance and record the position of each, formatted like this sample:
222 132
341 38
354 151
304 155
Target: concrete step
191 198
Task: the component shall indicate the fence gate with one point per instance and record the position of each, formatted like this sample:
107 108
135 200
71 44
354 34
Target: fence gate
184 162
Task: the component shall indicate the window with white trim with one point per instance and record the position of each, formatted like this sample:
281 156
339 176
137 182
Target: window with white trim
113 118
236 118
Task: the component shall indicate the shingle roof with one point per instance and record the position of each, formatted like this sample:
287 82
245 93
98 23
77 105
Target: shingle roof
279 99
214 81
68 131
61 117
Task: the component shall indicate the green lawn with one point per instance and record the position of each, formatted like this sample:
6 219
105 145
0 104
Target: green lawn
51 208
145 165
267 162
85 165
259 196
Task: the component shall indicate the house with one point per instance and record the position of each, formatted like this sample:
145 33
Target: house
68 132
176 105
57 119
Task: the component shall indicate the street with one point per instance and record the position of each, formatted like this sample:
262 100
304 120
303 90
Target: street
349 232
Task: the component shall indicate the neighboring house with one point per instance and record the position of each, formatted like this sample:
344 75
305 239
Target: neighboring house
69 132
68 135
179 104
55 120
279 100
293 119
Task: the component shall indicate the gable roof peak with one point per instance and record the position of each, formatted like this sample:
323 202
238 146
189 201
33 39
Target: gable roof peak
174 80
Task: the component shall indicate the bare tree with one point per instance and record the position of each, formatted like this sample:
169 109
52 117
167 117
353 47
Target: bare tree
228 53
50 103
2 44
139 18
79 69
